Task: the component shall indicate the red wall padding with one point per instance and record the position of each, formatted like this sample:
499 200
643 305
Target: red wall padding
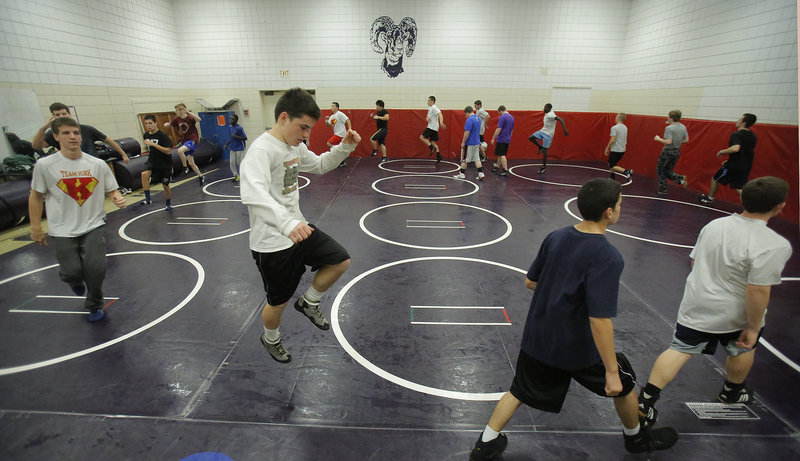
776 152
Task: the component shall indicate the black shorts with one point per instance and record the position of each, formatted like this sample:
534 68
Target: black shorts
481 136
281 271
430 134
501 149
614 158
380 136
733 179
691 341
159 173
543 387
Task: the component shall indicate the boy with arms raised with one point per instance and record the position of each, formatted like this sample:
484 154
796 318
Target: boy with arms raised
282 242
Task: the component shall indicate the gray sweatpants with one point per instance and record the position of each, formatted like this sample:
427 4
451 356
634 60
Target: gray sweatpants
236 159
82 259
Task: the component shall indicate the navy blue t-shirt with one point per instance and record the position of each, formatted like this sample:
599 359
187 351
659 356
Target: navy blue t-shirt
577 277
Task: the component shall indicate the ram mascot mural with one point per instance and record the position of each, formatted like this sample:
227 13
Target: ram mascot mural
392 41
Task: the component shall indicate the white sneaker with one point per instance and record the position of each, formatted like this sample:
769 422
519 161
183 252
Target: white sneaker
481 176
459 176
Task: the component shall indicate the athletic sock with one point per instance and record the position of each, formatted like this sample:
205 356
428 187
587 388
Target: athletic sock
169 202
480 170
147 195
312 296
273 336
463 171
651 393
489 434
631 432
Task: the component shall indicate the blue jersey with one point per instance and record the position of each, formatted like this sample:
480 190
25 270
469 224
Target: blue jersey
237 144
473 125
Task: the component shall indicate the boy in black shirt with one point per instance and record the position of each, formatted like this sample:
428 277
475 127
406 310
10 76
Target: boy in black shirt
741 150
381 118
159 162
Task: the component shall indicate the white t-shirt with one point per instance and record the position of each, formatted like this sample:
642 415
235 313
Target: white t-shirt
484 116
75 192
549 124
433 118
621 142
269 187
339 123
730 253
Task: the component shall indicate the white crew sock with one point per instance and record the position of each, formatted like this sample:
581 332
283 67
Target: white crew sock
313 296
489 434
630 432
273 336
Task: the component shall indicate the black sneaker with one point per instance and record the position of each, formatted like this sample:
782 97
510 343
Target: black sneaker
438 157
276 350
628 173
706 199
146 202
202 180
483 159
490 449
662 192
384 159
651 440
504 173
186 170
374 153
727 395
647 413
495 169
312 312
542 170
343 164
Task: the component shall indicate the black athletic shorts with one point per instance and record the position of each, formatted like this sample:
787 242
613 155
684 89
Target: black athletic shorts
430 134
732 179
614 158
380 136
281 271
543 387
501 149
481 136
159 173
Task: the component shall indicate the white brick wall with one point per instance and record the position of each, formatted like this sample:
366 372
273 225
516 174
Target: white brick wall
711 59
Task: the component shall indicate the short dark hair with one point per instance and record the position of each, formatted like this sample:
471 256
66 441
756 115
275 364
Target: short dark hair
335 104
297 103
749 120
762 195
675 115
432 98
58 106
478 102
56 124
379 102
596 196
149 117
468 110
547 107
501 109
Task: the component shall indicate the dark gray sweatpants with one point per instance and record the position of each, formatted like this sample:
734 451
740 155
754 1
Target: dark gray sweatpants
82 259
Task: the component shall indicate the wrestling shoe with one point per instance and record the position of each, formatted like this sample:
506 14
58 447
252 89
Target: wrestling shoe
647 413
459 176
96 315
186 170
312 312
628 173
488 450
651 440
662 192
374 153
480 176
343 164
542 170
168 207
384 159
438 157
236 178
705 199
202 180
728 395
504 173
276 350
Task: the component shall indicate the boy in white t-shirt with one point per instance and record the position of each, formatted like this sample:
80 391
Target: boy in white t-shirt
431 133
734 264
74 185
340 123
545 135
482 114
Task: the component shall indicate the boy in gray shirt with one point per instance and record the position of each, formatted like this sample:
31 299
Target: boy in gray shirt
616 147
675 135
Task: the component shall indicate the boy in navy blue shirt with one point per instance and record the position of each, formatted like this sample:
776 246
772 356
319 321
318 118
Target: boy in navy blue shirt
569 333
237 145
